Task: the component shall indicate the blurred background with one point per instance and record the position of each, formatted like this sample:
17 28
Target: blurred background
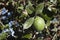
17 19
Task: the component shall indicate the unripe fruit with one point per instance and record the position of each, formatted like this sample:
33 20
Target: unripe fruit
39 23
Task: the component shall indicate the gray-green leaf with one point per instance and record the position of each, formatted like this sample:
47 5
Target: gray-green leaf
39 8
28 23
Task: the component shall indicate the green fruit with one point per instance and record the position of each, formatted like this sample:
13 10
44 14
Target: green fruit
39 23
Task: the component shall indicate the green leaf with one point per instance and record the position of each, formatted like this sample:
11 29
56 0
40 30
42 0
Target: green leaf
29 3
28 23
3 36
30 9
39 8
45 16
48 23
21 7
27 36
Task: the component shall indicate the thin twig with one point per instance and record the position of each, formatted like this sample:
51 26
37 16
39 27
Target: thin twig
54 37
2 24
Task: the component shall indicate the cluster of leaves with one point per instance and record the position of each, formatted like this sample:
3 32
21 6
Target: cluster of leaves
21 14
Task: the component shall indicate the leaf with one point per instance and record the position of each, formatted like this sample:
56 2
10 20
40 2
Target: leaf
3 36
30 9
27 36
48 23
21 7
29 3
54 10
39 8
28 23
45 16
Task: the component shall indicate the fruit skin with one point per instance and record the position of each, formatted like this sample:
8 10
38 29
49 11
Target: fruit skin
39 23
